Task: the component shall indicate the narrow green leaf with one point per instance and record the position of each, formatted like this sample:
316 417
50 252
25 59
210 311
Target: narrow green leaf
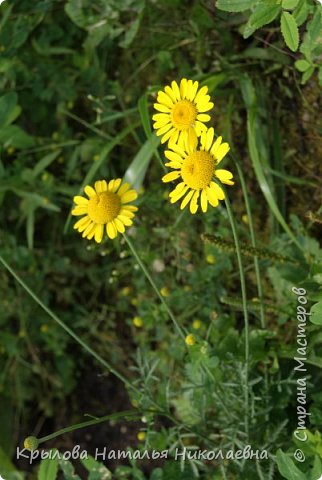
302 65
48 469
249 95
262 15
144 114
287 468
30 227
137 169
235 5
44 163
290 31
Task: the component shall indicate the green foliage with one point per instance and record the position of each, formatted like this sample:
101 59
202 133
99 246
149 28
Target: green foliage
78 83
292 13
290 31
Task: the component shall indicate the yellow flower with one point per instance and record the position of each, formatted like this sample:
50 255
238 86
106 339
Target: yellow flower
141 436
211 259
196 324
107 207
196 168
190 340
165 292
181 111
137 322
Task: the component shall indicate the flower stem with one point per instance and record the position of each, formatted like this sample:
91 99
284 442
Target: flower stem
244 299
89 423
253 242
70 332
155 288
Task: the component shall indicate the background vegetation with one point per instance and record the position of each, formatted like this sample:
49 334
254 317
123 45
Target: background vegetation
78 80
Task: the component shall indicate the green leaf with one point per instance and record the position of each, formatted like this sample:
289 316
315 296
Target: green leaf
302 65
48 469
290 31
307 74
136 171
314 29
301 12
262 15
289 4
143 107
317 468
44 163
316 314
9 110
235 5
287 467
68 470
97 470
14 136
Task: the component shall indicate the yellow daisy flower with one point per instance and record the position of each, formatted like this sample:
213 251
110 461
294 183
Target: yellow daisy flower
107 207
196 168
181 111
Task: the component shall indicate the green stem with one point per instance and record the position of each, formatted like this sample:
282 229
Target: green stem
253 242
155 288
66 328
89 423
244 299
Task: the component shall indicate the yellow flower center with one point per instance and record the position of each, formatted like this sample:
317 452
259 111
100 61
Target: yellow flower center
104 207
197 170
183 114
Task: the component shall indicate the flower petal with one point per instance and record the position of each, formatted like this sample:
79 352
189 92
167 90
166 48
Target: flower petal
124 188
99 233
204 201
193 203
186 199
168 135
119 225
161 108
100 186
219 191
111 230
79 210
80 200
129 196
90 192
212 197
203 117
126 220
201 94
224 176
173 156
169 177
163 129
164 99
117 183
183 88
83 223
222 151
